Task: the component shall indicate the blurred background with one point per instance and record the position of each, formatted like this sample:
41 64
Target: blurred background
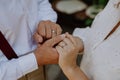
76 13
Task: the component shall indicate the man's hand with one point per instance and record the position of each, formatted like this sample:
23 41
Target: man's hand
46 30
46 53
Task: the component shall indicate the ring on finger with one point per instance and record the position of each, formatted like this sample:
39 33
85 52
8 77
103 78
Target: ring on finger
62 44
53 31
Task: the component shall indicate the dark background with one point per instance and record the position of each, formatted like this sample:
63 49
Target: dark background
70 21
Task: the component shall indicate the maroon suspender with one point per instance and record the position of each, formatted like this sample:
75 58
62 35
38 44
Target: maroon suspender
6 48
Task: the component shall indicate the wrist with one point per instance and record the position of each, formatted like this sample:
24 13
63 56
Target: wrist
75 73
37 56
69 69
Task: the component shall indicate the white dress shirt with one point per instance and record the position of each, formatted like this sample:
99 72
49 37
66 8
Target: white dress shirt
18 21
101 59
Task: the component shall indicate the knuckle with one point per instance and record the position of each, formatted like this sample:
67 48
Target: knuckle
60 30
42 22
43 34
34 35
48 36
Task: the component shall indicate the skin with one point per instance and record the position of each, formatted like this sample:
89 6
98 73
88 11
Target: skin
68 50
46 39
46 53
44 31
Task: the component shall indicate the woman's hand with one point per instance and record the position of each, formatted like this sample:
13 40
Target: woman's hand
68 50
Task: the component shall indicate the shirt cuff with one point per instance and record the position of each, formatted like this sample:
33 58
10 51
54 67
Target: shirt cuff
28 63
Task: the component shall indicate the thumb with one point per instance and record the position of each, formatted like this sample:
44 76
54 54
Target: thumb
55 40
38 38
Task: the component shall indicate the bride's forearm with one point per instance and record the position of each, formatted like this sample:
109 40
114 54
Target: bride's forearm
75 74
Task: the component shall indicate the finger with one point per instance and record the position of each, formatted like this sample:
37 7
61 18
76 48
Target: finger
59 29
55 40
38 45
62 44
68 42
38 38
53 33
70 37
80 44
59 50
48 31
53 30
69 45
41 29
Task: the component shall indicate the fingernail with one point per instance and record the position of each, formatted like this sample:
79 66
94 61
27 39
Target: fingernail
63 35
66 33
40 40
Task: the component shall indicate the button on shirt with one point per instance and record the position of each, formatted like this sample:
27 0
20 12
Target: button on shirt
18 22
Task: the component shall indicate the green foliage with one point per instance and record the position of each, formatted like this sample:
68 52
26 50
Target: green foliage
88 22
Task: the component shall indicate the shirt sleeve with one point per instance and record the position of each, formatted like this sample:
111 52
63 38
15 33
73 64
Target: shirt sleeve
16 68
45 11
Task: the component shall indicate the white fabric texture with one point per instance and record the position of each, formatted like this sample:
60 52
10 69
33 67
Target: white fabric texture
18 21
101 57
